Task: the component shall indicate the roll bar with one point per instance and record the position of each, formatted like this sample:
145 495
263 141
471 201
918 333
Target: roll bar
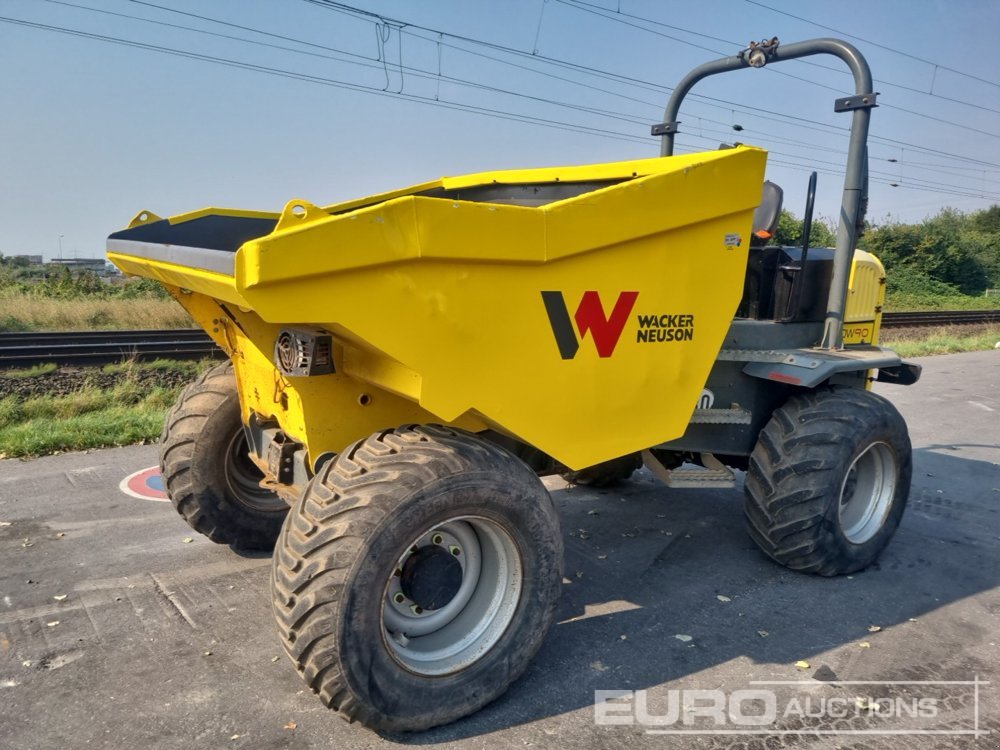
759 54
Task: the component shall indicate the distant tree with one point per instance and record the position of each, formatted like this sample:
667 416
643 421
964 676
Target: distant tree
88 282
949 253
987 220
944 248
59 283
910 280
789 232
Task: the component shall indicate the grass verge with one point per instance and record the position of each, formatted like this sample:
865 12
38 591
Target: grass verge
937 341
906 302
191 368
35 371
110 427
23 312
130 412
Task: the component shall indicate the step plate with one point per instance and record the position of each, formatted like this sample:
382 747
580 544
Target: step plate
721 416
700 478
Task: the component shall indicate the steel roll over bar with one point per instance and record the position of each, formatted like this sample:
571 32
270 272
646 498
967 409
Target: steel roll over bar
759 54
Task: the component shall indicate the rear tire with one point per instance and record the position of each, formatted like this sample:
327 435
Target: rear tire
207 472
828 481
605 474
374 535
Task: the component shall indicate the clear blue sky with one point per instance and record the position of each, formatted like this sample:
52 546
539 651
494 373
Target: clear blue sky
92 131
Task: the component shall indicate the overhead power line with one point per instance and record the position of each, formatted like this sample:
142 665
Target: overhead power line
340 7
373 63
877 44
335 83
615 16
338 54
335 50
365 61
876 178
810 63
406 27
811 160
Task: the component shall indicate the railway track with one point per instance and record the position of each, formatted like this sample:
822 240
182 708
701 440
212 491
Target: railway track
939 318
105 347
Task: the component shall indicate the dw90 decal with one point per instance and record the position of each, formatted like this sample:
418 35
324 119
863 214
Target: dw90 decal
859 333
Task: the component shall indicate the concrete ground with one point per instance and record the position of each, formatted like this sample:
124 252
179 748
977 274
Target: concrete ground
117 632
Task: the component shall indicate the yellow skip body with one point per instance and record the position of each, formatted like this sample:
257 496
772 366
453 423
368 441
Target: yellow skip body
582 322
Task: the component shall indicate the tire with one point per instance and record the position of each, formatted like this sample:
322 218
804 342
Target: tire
360 534
206 470
828 481
605 474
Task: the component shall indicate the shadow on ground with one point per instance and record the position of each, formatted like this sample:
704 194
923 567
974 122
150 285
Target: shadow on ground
645 564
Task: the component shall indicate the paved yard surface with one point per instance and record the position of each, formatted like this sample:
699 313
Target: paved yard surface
117 633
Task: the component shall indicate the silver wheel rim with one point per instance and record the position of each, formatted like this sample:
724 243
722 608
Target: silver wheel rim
461 631
866 493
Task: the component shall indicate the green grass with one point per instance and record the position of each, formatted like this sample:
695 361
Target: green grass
113 426
31 372
20 311
126 414
903 302
191 368
942 342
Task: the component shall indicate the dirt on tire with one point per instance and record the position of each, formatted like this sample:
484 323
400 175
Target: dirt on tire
342 541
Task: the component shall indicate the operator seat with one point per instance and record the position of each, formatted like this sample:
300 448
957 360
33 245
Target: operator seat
762 261
768 213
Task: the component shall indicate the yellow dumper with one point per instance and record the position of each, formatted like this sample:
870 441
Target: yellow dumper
404 367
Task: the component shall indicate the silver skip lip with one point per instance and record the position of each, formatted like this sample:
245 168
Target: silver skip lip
206 259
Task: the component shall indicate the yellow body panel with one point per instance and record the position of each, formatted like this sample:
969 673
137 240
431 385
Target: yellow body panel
214 285
438 314
865 298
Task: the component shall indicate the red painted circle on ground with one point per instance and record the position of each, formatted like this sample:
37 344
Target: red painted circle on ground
146 484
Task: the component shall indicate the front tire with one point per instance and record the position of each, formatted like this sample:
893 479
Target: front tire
828 481
416 577
206 469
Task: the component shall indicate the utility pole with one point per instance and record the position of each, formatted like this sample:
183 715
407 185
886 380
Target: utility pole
60 245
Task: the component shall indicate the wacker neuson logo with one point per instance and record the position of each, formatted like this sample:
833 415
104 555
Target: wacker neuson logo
606 329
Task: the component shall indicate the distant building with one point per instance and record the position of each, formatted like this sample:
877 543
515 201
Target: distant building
76 265
31 260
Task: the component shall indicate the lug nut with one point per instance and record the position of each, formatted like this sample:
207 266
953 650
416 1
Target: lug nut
416 609
455 550
437 539
399 598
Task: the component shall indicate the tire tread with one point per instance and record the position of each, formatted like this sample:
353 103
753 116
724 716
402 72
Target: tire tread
323 536
796 462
